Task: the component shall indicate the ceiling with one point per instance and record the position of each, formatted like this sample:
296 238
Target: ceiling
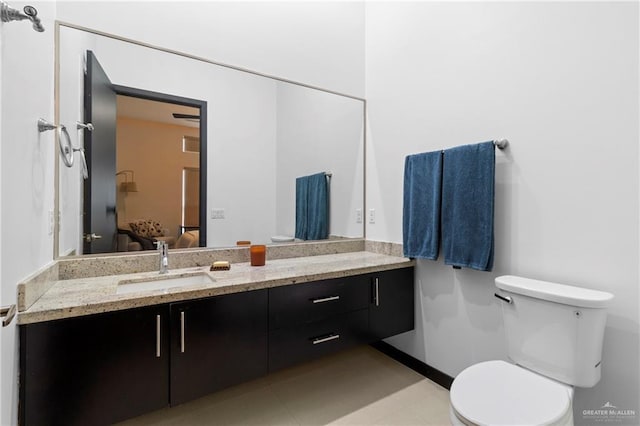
161 112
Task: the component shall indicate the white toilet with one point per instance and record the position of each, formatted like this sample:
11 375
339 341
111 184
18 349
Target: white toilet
554 337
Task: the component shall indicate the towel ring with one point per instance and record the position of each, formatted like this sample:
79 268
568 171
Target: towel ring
66 149
85 170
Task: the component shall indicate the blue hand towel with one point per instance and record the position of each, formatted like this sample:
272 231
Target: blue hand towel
312 207
421 207
467 206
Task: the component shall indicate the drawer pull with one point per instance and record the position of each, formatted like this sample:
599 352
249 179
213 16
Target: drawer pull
157 336
377 293
326 299
182 321
325 339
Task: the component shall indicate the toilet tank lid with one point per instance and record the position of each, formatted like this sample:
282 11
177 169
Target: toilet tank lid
559 293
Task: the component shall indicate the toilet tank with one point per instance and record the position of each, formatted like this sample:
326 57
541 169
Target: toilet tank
554 329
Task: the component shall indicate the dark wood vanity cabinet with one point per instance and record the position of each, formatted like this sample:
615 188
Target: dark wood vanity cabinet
216 343
100 369
94 370
307 321
391 310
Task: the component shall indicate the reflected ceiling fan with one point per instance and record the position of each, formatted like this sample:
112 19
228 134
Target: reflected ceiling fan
187 117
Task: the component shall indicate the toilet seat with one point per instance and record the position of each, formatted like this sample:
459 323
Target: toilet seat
499 393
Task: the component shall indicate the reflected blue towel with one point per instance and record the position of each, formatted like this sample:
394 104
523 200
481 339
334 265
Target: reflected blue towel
421 207
312 207
302 188
468 178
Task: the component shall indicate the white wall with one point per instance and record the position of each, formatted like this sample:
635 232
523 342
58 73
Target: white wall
318 43
26 173
333 125
560 81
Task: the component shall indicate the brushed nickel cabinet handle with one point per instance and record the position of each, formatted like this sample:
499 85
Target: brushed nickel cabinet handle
157 336
182 320
326 299
325 339
377 293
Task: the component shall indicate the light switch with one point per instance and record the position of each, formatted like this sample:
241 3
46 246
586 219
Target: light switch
372 215
358 215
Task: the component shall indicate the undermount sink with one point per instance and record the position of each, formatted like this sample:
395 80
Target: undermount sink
161 282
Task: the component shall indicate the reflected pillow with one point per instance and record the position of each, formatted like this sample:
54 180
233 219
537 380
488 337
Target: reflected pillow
147 228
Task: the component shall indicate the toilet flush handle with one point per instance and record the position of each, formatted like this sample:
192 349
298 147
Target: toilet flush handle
503 298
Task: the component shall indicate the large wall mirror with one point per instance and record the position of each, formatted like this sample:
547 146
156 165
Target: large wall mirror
196 153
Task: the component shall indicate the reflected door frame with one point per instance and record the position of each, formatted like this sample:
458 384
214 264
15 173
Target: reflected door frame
195 103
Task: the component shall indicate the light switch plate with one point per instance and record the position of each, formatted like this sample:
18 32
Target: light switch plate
358 215
372 215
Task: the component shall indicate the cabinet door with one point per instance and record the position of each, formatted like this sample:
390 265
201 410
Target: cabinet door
392 303
94 370
216 343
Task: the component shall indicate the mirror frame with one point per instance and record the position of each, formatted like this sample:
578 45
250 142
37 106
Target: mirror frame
56 75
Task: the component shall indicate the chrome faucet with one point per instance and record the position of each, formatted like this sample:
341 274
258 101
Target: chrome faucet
163 251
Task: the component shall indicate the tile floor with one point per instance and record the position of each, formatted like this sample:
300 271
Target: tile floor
358 387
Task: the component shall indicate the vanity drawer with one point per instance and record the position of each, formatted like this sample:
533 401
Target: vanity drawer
301 303
304 342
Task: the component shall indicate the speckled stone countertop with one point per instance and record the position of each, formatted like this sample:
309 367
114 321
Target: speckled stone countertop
85 296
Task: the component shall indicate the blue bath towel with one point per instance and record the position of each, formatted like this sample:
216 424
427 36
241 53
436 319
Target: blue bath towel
468 179
312 207
421 207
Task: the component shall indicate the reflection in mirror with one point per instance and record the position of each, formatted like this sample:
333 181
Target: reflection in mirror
160 143
239 183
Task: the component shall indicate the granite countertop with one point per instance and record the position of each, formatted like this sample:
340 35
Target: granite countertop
85 296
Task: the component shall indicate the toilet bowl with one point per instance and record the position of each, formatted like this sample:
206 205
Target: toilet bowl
497 393
545 326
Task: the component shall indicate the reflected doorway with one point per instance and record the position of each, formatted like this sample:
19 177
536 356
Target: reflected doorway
158 171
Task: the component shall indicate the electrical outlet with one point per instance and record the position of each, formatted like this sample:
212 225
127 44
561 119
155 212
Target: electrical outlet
217 213
358 215
372 215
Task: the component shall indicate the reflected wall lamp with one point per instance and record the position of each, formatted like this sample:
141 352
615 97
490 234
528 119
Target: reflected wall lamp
128 185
